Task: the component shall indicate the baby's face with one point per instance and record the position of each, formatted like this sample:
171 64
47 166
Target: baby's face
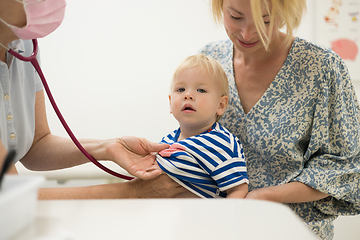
196 98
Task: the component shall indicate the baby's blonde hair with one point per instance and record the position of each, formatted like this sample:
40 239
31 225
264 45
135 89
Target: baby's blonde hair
208 64
288 12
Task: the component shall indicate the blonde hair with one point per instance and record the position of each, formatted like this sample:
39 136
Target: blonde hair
288 12
208 64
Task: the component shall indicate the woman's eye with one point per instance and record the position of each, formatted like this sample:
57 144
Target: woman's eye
267 22
181 90
201 90
236 18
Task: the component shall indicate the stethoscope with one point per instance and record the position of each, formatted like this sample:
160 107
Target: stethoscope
36 65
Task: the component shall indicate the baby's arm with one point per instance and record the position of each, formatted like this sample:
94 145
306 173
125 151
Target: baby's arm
239 191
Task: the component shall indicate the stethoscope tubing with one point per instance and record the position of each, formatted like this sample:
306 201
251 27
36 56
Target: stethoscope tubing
35 63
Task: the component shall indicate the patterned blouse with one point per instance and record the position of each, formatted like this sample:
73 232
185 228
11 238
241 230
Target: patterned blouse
305 128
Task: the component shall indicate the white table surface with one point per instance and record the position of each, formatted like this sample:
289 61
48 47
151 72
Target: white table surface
164 219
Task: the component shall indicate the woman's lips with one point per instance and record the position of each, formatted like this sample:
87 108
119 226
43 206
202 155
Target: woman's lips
247 45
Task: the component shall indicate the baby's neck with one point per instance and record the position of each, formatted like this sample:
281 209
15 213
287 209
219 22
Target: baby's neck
187 132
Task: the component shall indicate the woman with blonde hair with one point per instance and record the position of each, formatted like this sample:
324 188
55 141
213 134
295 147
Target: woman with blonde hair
294 109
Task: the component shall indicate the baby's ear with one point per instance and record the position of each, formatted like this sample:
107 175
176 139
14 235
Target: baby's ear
170 102
222 105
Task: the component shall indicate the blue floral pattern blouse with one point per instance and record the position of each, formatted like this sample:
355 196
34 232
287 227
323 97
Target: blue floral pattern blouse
305 128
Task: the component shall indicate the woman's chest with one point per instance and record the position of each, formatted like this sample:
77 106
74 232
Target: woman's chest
270 107
251 85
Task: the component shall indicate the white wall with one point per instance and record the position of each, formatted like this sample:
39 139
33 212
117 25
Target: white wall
110 63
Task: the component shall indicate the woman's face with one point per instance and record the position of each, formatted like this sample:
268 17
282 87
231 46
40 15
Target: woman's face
240 27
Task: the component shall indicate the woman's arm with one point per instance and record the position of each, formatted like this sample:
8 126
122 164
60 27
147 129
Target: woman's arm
50 152
293 192
159 187
239 191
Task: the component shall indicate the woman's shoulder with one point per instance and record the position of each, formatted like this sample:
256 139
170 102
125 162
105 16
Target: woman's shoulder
316 63
307 58
310 51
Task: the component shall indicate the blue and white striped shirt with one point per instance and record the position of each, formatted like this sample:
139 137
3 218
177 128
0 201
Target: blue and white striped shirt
207 164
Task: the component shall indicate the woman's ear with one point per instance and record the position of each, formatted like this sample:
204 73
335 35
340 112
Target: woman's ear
222 105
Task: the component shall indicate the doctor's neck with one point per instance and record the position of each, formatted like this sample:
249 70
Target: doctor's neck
6 37
2 54
11 12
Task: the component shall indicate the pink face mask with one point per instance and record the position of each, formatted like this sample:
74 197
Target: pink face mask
43 17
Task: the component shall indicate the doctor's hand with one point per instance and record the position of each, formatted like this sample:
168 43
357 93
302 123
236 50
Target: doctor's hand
136 156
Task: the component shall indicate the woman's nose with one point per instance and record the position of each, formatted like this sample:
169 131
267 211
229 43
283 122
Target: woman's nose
248 31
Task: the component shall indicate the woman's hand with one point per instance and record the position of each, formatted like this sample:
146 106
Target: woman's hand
159 187
259 194
136 156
